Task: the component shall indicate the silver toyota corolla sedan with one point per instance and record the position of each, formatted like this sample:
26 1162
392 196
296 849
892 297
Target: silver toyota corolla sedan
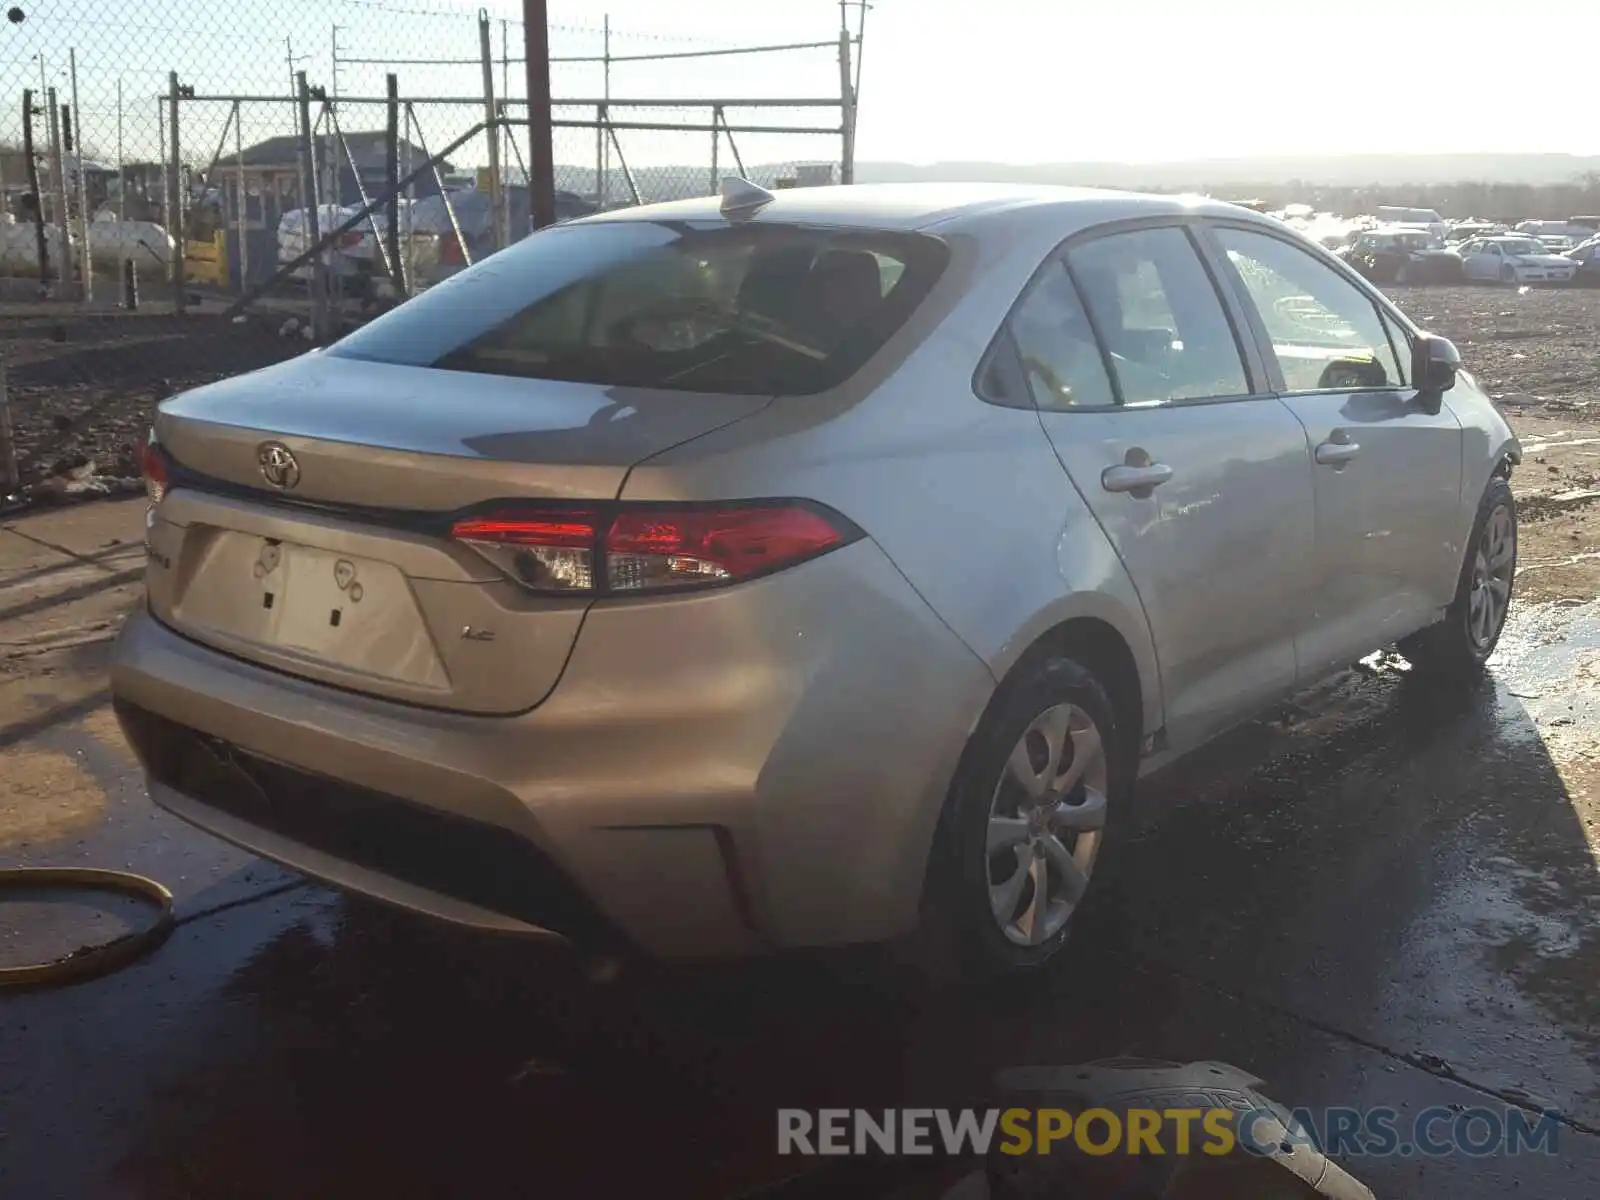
708 578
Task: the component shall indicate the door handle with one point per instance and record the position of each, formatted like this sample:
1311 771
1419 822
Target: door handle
1125 478
1334 453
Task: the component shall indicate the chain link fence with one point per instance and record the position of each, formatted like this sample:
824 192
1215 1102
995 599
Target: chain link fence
194 192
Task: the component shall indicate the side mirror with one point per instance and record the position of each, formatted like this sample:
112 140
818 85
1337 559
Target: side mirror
1434 363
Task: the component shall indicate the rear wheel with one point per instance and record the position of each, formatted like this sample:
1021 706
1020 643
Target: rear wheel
1462 642
1026 821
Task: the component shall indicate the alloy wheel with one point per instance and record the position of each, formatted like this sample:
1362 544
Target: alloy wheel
1493 564
1046 821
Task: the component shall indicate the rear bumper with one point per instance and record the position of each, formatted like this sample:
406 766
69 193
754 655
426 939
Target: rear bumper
715 774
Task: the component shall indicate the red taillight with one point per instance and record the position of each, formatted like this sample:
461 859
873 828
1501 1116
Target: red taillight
642 548
350 240
153 465
550 550
648 549
450 250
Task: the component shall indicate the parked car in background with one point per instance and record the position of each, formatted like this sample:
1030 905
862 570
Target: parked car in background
1461 231
431 223
1512 258
1559 236
1403 256
1422 218
800 570
419 249
348 270
1587 259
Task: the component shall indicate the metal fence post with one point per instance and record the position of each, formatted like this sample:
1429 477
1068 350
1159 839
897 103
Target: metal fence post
497 222
319 264
716 141
10 479
175 196
391 182
41 243
409 272
58 189
847 112
87 273
67 189
600 155
541 153
242 195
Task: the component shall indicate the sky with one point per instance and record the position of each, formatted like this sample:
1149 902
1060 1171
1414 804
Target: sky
1002 80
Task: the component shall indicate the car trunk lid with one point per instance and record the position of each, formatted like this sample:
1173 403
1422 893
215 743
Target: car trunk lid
340 568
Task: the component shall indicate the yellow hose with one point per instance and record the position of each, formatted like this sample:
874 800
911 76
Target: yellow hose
89 961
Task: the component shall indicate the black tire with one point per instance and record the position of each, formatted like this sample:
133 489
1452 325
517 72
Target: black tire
961 934
1450 649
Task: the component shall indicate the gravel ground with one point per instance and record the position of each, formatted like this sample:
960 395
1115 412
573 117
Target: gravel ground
82 386
1537 353
1531 348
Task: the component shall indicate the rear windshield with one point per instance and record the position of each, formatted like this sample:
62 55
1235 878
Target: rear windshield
767 309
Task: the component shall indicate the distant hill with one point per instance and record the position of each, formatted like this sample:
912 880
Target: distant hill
1354 170
1501 186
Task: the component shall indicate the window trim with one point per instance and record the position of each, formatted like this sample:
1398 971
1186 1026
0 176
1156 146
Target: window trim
1257 377
1402 350
1383 307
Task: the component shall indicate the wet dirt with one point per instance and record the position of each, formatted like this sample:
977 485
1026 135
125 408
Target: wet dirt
1389 896
1536 351
83 386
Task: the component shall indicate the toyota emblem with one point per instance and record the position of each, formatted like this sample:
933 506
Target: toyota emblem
278 465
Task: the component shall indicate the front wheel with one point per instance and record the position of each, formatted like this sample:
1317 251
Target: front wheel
1025 821
1462 642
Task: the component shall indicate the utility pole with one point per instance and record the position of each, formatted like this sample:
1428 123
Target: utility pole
288 46
605 121
294 93
541 153
334 192
334 59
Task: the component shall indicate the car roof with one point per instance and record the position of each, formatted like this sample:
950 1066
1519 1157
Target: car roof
914 206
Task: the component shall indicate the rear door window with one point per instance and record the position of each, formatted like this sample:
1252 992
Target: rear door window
696 307
1160 317
1060 358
